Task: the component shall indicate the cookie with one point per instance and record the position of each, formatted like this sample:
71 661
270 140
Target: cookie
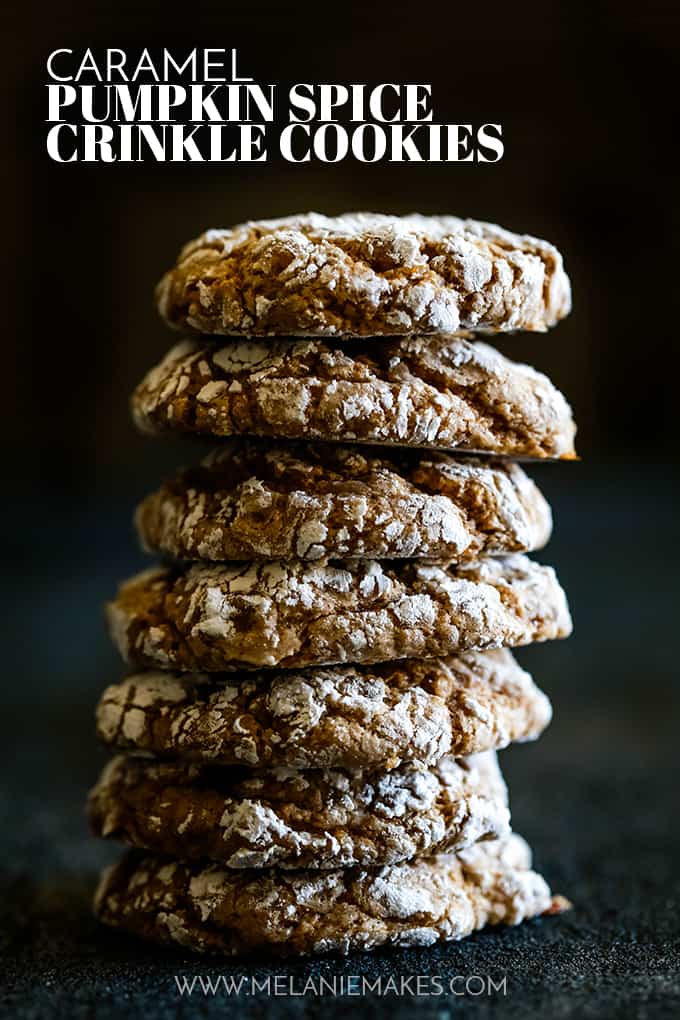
252 615
377 716
253 500
213 909
364 274
316 818
444 392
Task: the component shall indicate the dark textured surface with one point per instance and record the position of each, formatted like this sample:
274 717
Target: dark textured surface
597 796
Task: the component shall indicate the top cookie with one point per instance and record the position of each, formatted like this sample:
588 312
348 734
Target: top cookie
364 274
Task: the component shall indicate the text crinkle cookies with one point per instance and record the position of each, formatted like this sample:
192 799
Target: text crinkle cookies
320 672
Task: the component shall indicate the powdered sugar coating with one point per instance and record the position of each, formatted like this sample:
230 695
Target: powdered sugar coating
344 716
253 615
213 909
313 818
364 274
443 392
260 500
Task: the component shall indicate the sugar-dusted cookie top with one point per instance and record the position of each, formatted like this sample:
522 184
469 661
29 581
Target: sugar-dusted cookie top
264 500
300 818
217 617
364 274
378 716
212 909
442 392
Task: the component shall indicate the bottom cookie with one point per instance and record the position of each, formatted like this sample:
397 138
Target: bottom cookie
209 908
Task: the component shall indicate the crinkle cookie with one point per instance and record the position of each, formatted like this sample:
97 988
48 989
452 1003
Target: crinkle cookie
252 615
213 909
292 818
258 500
376 716
441 392
364 274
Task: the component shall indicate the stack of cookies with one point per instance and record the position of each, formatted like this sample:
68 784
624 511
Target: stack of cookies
320 674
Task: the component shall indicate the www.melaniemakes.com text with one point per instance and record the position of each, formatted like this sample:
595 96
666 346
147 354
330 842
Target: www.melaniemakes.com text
197 107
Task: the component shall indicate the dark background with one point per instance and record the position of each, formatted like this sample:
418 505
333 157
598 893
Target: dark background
585 94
